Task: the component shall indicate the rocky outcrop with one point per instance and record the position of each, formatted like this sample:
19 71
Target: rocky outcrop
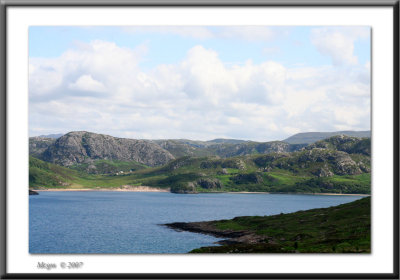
208 183
31 192
184 188
324 172
249 178
348 144
84 147
37 145
319 161
248 148
341 163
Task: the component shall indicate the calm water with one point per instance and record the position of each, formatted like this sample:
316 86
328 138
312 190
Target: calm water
129 222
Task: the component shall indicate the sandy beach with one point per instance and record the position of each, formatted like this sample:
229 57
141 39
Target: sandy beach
128 188
125 188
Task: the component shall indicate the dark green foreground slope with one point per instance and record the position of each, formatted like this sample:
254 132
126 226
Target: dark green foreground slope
340 229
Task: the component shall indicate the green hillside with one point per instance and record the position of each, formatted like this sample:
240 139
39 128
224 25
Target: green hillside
340 164
340 229
103 166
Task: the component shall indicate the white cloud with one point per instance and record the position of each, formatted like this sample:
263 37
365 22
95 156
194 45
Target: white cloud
338 42
199 98
87 83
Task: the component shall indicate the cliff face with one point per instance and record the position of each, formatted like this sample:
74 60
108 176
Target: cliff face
84 147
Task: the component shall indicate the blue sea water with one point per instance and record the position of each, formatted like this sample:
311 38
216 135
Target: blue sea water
130 222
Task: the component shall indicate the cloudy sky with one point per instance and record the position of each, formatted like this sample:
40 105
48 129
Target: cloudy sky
199 82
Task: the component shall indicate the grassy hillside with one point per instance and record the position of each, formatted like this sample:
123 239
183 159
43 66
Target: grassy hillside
47 175
103 166
305 171
191 175
340 229
339 164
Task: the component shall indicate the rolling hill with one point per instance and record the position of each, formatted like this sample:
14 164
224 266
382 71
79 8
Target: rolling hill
335 165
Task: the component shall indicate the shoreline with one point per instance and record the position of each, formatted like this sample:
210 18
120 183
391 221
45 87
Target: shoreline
120 189
151 189
246 234
349 194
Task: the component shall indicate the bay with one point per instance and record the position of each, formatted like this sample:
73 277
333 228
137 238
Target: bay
131 222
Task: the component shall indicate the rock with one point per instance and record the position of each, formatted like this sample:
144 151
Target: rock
84 147
253 178
37 145
324 172
31 192
208 183
348 144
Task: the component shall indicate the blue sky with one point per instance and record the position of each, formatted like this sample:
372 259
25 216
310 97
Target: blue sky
256 82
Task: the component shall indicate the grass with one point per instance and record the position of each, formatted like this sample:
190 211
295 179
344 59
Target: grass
340 229
234 174
103 166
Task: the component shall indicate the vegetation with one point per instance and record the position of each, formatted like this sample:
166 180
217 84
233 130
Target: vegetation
338 164
266 173
103 166
340 229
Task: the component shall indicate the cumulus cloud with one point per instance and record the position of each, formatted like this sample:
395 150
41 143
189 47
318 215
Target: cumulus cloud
87 83
338 42
100 87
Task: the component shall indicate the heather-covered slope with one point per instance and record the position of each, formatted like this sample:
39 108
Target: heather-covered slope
340 229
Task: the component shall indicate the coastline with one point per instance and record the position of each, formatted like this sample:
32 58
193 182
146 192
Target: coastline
278 233
295 193
120 189
152 189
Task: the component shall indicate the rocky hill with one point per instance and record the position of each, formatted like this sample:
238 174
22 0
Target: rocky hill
102 154
225 147
84 147
311 137
348 144
37 145
335 165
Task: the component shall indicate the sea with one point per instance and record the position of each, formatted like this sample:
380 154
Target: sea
107 222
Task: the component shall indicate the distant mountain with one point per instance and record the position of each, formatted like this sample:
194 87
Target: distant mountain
311 137
55 136
226 141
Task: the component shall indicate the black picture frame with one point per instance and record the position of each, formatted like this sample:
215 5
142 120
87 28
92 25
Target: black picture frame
4 5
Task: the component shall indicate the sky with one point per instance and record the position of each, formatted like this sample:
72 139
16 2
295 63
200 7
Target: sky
260 83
